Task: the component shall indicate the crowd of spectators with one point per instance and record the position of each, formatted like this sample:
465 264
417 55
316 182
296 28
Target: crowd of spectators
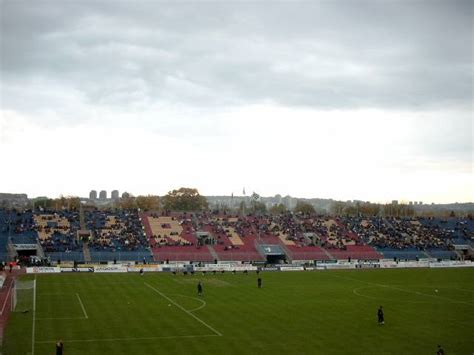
58 230
115 231
124 231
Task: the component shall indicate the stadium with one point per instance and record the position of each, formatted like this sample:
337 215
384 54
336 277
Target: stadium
124 281
239 177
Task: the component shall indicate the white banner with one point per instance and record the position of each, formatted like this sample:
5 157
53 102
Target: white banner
77 269
225 267
110 268
42 270
291 268
24 246
464 263
151 268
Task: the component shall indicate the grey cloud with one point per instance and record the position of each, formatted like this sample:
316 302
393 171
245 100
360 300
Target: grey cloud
342 54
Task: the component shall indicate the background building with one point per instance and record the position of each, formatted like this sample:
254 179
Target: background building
103 195
93 195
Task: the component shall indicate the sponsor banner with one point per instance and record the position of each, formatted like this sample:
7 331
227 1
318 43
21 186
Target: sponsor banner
244 268
220 268
24 246
452 264
208 269
366 266
77 269
137 268
269 269
388 265
110 268
291 268
335 266
42 270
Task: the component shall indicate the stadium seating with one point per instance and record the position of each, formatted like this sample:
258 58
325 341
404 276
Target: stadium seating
130 236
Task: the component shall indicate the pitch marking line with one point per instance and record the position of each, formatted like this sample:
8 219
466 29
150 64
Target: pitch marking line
6 298
34 320
61 318
183 309
69 318
82 306
127 339
463 289
405 290
356 290
203 303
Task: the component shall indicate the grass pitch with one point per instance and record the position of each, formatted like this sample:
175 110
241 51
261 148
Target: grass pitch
313 312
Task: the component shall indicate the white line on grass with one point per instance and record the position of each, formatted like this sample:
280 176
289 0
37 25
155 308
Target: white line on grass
403 290
34 319
203 303
82 306
51 294
356 290
183 309
6 298
60 318
127 339
463 289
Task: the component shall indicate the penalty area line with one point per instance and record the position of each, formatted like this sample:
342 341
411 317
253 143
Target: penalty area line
405 290
82 306
183 309
126 339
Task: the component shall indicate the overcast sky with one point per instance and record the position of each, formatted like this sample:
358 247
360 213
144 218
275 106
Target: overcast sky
369 100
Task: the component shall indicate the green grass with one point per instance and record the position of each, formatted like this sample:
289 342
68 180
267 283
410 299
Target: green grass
330 312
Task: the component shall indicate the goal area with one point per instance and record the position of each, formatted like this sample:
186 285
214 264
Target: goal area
23 293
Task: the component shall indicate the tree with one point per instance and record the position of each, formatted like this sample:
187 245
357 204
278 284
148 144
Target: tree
148 202
128 203
66 202
258 207
278 209
337 208
242 207
304 207
184 199
43 202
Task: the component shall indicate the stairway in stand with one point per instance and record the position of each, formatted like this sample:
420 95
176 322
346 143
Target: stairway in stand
213 252
328 254
82 221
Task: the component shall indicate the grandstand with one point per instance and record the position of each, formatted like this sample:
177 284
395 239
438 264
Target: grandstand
172 239
105 235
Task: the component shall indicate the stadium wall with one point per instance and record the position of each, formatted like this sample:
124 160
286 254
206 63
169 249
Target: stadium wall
247 267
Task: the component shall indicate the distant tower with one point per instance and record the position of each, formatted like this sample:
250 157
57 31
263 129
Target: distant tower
93 195
103 195
115 195
125 195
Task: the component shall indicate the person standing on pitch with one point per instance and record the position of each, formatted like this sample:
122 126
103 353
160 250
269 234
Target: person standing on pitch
259 282
380 316
59 347
199 288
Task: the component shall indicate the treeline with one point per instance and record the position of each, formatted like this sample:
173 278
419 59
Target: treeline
350 209
189 199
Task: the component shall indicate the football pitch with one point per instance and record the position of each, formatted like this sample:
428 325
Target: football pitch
312 312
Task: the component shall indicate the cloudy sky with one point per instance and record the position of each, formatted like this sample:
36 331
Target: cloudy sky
369 100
